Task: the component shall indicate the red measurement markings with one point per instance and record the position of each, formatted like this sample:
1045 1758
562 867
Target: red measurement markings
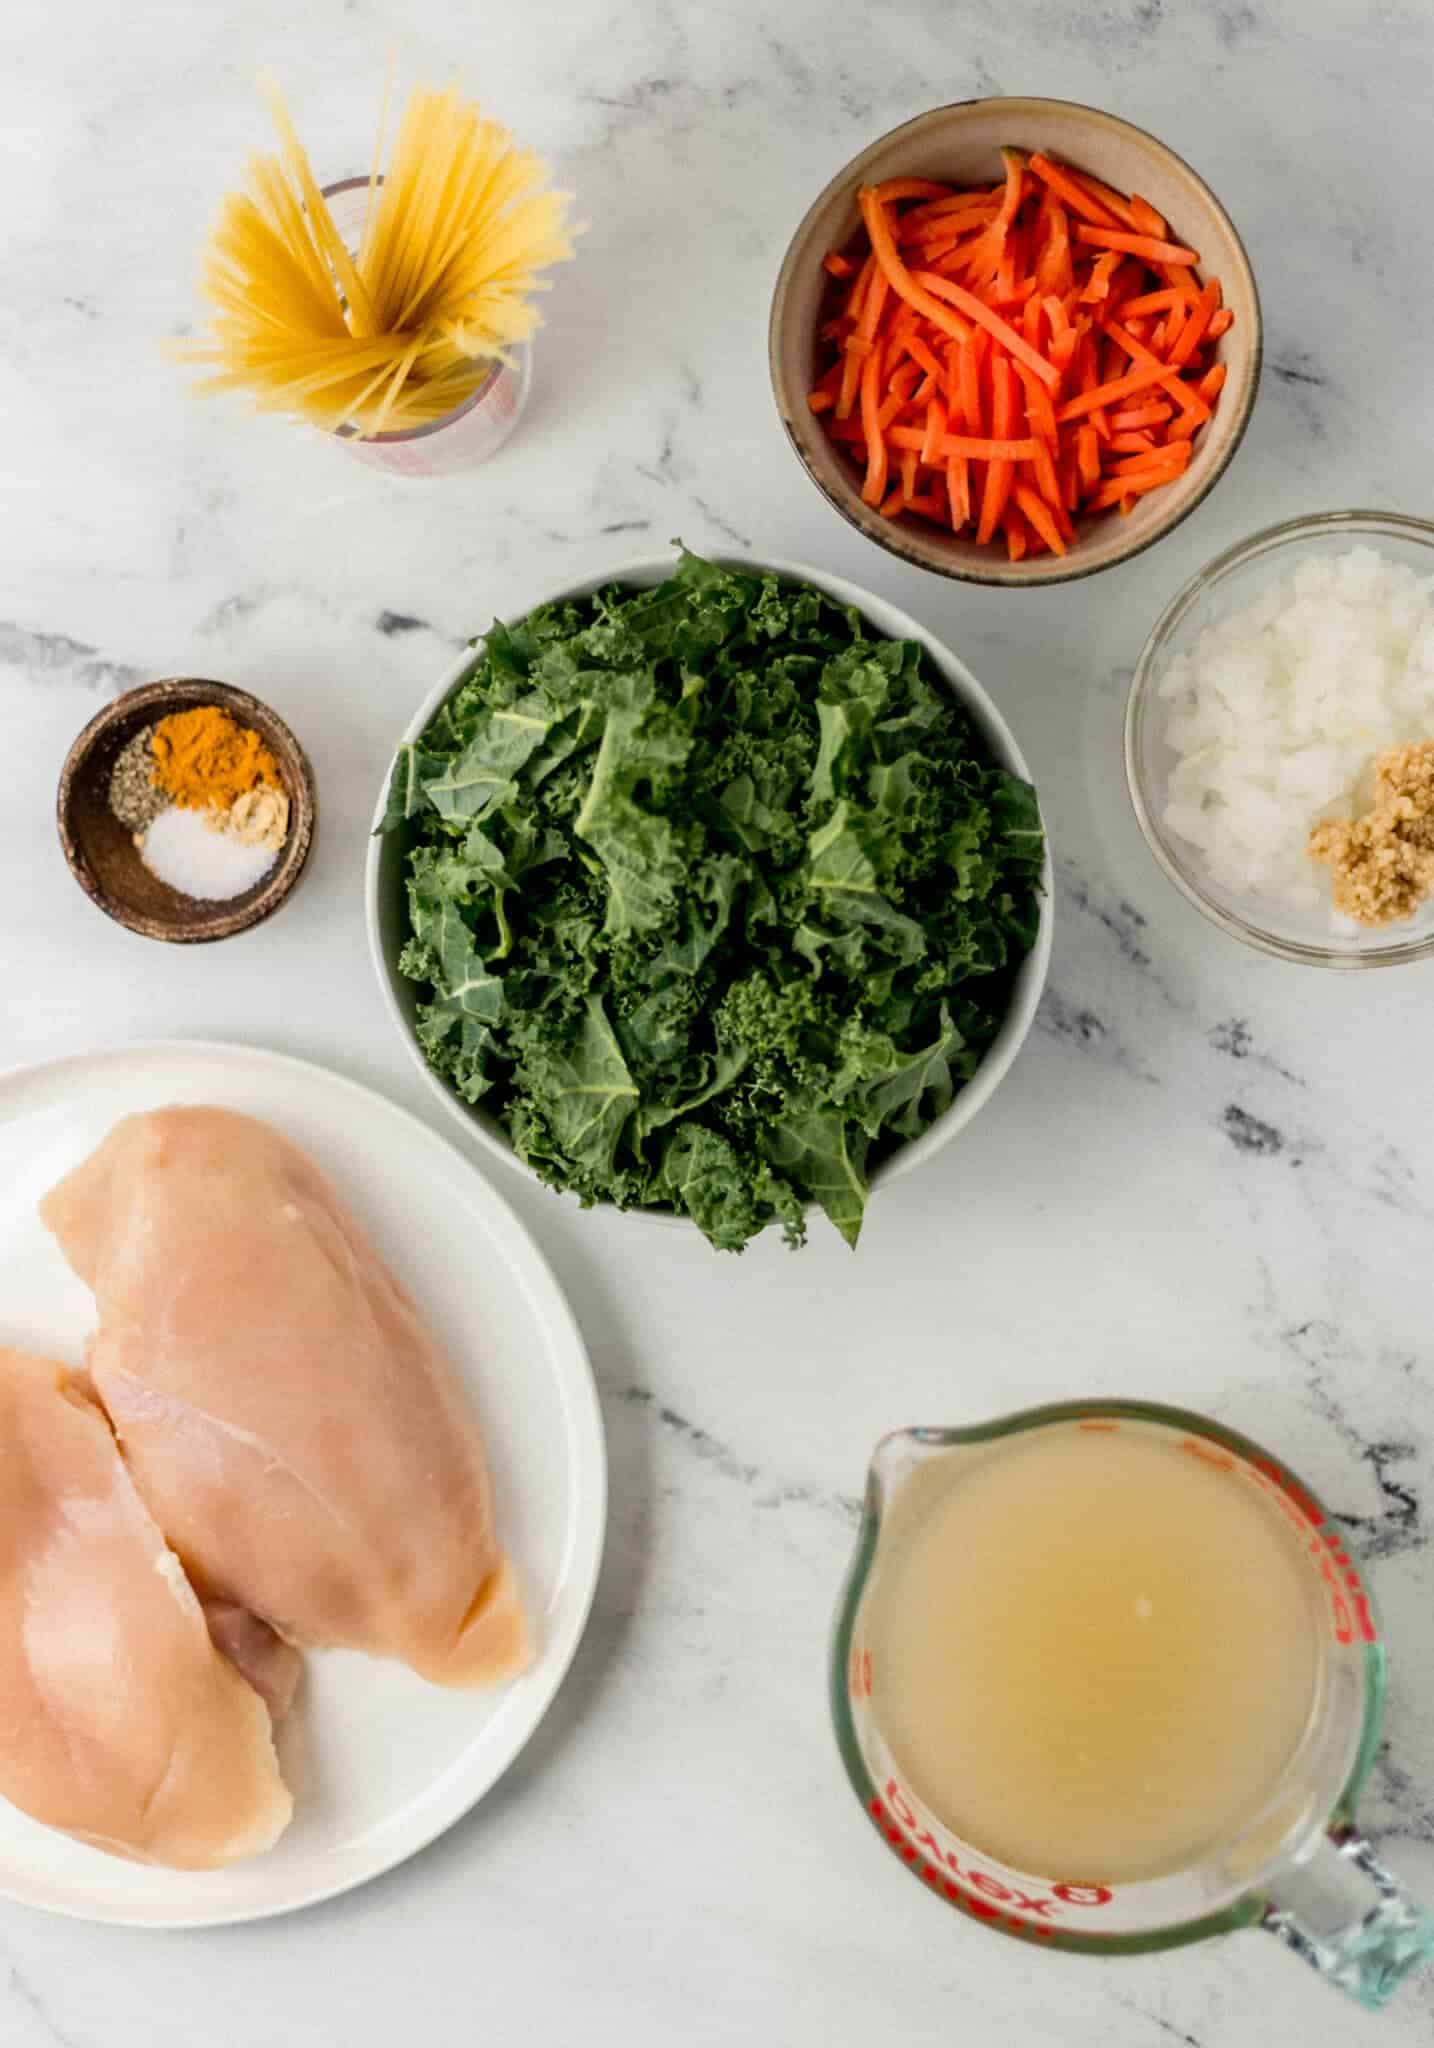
1351 1618
978 1893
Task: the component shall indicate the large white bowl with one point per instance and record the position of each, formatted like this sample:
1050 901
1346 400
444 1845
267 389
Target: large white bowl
387 922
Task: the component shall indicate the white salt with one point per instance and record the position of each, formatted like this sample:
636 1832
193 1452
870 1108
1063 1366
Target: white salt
1277 712
196 860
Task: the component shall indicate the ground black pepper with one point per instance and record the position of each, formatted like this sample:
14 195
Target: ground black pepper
134 799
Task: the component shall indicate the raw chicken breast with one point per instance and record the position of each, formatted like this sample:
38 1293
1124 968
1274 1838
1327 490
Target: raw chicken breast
122 1724
272 1666
291 1422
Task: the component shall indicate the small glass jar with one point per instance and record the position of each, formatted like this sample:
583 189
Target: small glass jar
461 439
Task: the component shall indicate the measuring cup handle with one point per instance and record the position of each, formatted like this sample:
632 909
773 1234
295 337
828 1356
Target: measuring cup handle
1343 1912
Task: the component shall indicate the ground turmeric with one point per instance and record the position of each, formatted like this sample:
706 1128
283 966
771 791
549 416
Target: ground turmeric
203 759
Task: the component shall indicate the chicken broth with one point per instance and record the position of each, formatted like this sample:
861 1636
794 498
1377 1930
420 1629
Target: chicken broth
1094 1650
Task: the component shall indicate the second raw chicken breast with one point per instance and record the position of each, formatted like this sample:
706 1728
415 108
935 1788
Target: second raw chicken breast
298 1434
122 1724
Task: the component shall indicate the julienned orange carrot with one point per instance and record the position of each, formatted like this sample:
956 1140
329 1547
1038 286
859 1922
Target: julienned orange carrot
875 482
1169 380
1001 468
995 326
909 188
1013 358
1196 322
1145 246
1073 191
898 277
1159 302
1146 221
974 447
1041 517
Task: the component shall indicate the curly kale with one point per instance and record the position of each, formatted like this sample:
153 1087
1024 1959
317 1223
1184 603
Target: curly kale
714 898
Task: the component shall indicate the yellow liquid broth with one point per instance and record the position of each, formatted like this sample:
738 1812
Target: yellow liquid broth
1093 1653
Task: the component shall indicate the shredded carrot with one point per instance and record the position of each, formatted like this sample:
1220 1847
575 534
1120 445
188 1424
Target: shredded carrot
991 448
1173 457
1122 487
1146 415
1115 203
1054 271
908 188
904 381
1088 457
876 460
1072 189
1144 246
1097 285
958 486
1041 517
924 354
1157 302
971 385
1001 469
1040 413
1013 360
1044 467
1105 394
1070 482
994 325
897 276
1146 221
854 305
1197 324
1169 379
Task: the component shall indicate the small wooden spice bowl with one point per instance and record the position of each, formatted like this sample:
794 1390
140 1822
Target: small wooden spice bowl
102 855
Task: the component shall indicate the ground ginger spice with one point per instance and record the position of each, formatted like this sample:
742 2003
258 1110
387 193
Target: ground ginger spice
1383 862
203 759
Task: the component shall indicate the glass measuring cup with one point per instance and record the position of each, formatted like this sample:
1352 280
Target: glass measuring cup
1298 1867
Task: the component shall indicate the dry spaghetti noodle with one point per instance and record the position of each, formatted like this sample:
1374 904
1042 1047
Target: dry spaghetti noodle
398 332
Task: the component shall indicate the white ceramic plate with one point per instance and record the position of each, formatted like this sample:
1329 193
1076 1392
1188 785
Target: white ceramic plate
388 918
379 1762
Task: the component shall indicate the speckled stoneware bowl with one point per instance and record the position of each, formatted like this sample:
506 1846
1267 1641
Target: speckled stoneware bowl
102 855
962 144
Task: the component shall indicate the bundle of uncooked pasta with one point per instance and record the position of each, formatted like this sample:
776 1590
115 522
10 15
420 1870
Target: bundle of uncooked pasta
401 329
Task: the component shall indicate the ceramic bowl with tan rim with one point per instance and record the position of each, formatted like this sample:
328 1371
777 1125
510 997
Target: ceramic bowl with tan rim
961 145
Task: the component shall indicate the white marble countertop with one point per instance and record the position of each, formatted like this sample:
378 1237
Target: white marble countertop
1210 1178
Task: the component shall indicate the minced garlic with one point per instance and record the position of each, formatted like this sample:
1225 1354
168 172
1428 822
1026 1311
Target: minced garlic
1383 863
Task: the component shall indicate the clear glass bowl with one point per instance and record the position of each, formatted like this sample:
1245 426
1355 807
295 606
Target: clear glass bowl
1228 583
